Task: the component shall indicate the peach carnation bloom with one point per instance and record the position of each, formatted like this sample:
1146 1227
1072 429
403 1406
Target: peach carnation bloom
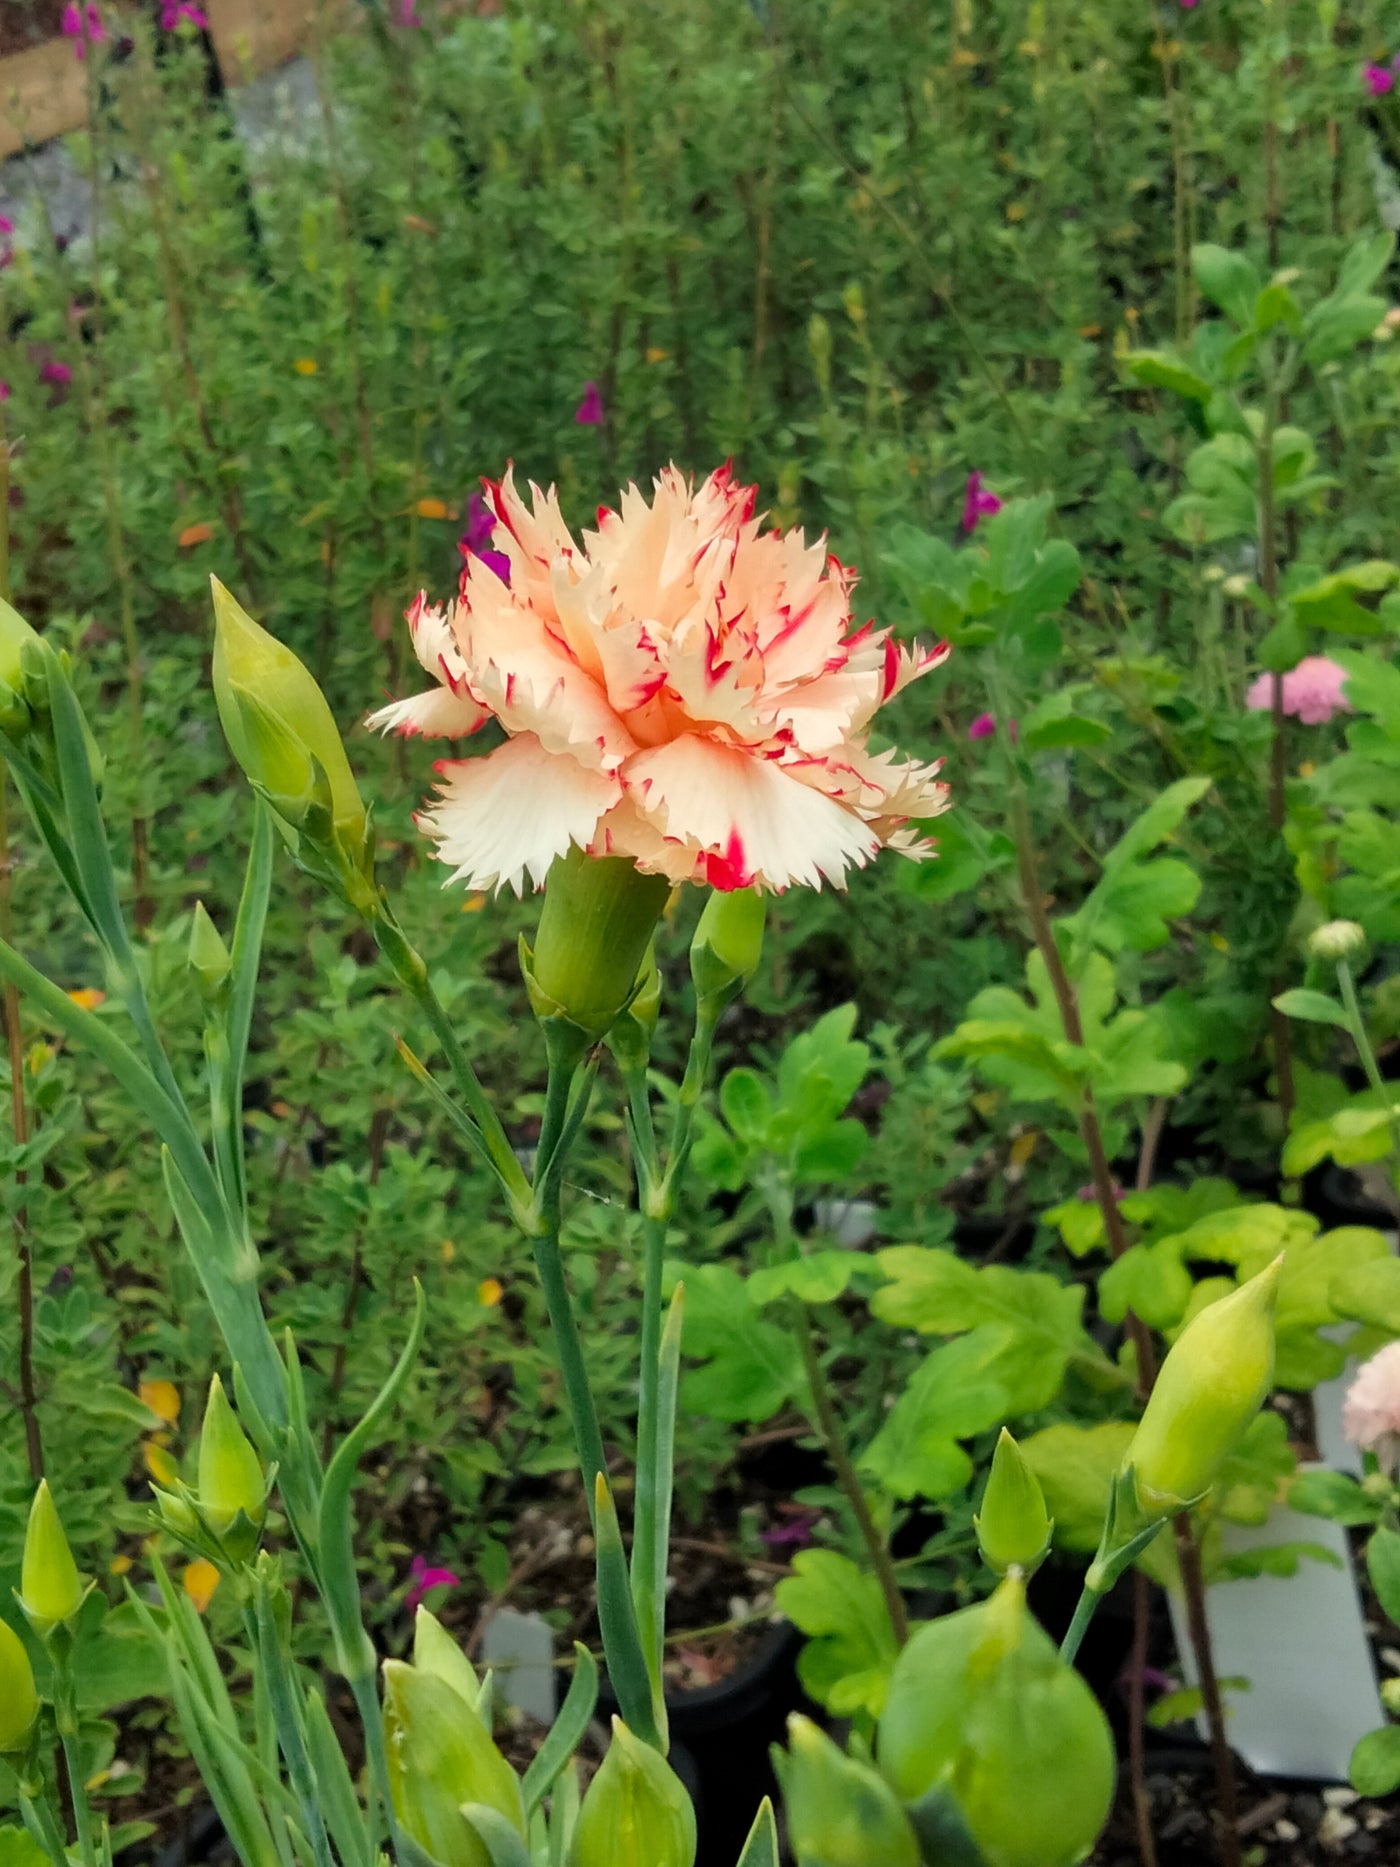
1371 1412
682 688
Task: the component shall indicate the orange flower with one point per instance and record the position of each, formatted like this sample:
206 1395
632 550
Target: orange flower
199 1580
87 997
197 534
489 1292
163 1399
433 509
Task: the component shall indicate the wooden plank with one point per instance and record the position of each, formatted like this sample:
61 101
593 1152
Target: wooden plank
43 93
253 36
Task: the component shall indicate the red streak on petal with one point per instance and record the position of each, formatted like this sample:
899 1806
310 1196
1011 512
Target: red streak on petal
891 666
730 870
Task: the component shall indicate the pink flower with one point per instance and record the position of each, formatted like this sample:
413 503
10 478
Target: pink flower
979 504
795 1533
172 12
1312 692
985 725
475 541
7 226
422 1577
1380 78
58 373
408 13
82 24
590 410
4 392
1371 1411
682 688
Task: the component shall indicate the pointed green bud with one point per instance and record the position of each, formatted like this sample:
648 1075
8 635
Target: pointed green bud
597 920
15 637
441 1755
19 1702
987 1730
840 1812
1212 1383
208 957
636 1811
1013 1527
51 1590
279 727
436 1652
232 1491
728 942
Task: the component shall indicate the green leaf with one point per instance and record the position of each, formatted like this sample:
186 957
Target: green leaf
1375 1763
1334 1495
1330 602
1228 280
938 1293
1368 1292
617 1622
761 1848
1279 1559
960 1389
851 1648
746 1105
18 1848
819 1277
565 1734
1337 324
752 1367
1364 264
1383 1567
1133 900
1159 369
1079 1223
1186 1702
1075 1466
1312 1007
105 1400
1149 1280
1352 1136
496 1835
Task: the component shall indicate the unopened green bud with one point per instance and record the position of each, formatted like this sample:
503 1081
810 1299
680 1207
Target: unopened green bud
985 1722
440 1756
436 1652
232 1500
840 1812
728 942
1013 1527
636 1812
15 635
598 917
208 957
1336 940
19 1702
1212 1384
51 1590
278 725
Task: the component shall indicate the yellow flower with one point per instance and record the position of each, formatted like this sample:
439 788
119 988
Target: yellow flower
87 997
119 1565
200 1579
449 1251
1307 768
489 1292
306 366
163 1399
656 354
473 904
433 509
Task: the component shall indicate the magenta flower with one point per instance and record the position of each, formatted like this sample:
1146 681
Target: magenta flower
590 412
172 12
422 1577
4 392
979 503
408 13
6 224
1379 79
1312 692
985 725
83 25
475 541
57 373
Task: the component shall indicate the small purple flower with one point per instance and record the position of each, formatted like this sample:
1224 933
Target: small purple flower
986 724
979 503
173 12
83 25
6 224
422 1577
475 541
796 1533
59 374
590 412
1381 78
4 392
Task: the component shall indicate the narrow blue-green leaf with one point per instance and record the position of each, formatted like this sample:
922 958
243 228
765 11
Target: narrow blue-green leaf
87 833
46 811
459 1118
563 1813
95 1035
340 1587
339 1803
627 1667
565 1734
243 980
761 1848
284 1693
652 1528
496 1835
230 1788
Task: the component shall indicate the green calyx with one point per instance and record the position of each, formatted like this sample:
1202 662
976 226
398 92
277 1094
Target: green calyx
636 1813
598 917
840 1810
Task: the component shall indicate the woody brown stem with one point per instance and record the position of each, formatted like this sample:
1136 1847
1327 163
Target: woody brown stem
1188 1554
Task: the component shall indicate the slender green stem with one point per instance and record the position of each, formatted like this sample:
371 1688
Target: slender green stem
644 1519
578 1394
1089 1600
42 1824
77 1790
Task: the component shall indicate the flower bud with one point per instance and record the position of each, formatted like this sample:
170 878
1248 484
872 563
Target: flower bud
636 1812
441 1755
436 1652
207 957
15 636
728 942
278 725
1336 940
840 1812
51 1590
19 1702
1013 1527
598 916
1212 1384
232 1498
633 1028
983 1713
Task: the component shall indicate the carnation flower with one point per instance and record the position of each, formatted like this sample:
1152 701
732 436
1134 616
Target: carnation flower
1312 691
682 688
1371 1412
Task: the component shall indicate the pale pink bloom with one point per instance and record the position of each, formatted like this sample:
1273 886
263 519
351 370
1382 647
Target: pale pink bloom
1371 1411
683 688
1312 692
